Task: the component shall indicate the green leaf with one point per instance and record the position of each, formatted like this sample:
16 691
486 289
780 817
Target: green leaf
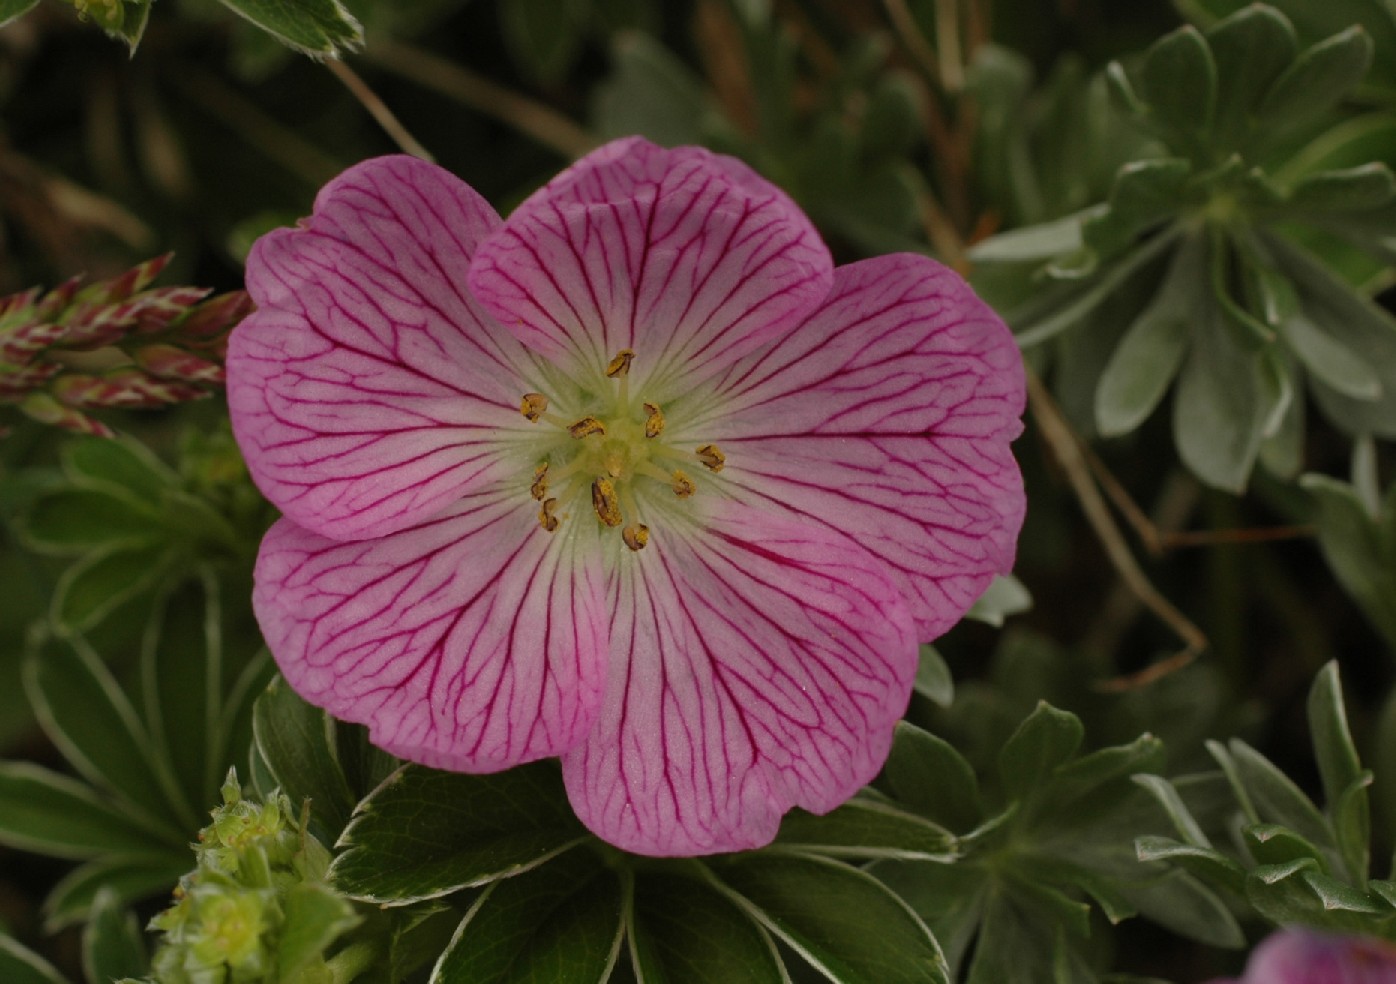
1203 862
1144 194
1270 843
113 946
1330 360
1004 596
544 36
1352 827
865 829
841 920
423 833
1148 356
1181 903
313 27
1350 189
1275 796
129 877
562 922
104 580
650 92
1033 244
930 776
19 965
14 9
1046 740
933 680
86 714
683 932
294 739
1219 409
1178 81
121 465
1352 547
1356 323
1319 77
75 520
1338 763
314 918
1015 935
48 813
1038 321
1252 48
1183 821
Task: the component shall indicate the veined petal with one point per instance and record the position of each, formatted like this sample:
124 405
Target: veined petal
686 257
888 416
757 665
471 642
370 389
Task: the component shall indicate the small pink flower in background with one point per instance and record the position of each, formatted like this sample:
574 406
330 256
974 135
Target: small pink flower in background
635 478
1302 956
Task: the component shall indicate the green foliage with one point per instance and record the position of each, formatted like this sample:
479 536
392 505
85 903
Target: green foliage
1204 253
1046 845
1289 860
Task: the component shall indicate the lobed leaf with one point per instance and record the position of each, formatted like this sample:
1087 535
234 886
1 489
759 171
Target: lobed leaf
294 739
865 828
423 834
20 965
314 27
559 923
682 931
1178 81
1318 78
1046 740
45 812
839 919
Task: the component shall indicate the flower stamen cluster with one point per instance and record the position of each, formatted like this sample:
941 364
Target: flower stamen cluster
618 453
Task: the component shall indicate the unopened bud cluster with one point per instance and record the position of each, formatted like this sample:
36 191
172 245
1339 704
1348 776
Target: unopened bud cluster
232 915
118 343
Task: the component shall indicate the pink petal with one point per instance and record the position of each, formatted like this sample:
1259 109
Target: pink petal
888 416
472 642
758 665
369 389
688 258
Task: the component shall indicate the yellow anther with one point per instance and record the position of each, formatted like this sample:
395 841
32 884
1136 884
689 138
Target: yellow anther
533 406
546 519
605 501
586 427
654 422
682 485
620 365
539 488
636 535
712 456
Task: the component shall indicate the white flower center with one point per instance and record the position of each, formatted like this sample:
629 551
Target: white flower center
615 457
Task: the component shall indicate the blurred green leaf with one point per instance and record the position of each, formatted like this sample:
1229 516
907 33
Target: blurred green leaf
107 579
315 27
13 9
87 715
684 932
424 834
650 92
1356 551
43 811
562 922
1252 48
1318 78
129 877
113 946
933 680
294 739
20 965
75 519
1005 596
314 918
545 36
1178 81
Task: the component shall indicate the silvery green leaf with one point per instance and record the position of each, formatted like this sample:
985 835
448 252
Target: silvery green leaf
1178 82
1318 78
1252 47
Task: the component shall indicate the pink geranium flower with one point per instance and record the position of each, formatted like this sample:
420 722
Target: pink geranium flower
1302 956
635 478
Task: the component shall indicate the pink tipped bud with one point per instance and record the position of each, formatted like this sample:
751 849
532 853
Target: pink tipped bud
215 317
18 347
168 362
46 410
19 382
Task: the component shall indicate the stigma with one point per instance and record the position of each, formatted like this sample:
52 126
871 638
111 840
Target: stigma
608 460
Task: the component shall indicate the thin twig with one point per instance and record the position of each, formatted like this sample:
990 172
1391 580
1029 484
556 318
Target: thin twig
910 34
1067 448
378 109
1251 534
952 62
548 127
